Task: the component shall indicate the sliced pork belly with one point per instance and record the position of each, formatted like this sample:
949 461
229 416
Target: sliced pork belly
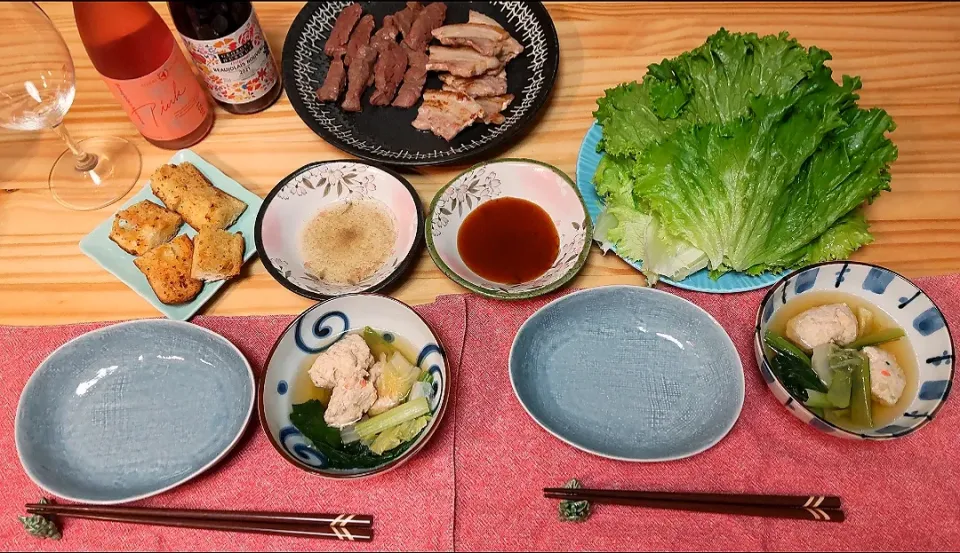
485 39
493 106
447 113
509 48
479 18
476 87
461 62
340 34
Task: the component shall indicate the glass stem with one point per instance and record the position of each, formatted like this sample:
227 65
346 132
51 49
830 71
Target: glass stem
84 161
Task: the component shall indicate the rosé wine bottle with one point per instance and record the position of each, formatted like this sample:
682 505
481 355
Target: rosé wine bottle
137 56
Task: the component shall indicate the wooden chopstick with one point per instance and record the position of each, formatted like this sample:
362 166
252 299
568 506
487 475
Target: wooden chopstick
797 513
343 521
795 501
302 529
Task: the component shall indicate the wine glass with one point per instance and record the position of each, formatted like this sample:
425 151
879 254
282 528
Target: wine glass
37 86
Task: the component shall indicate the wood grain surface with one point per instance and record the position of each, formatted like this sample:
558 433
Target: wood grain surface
908 55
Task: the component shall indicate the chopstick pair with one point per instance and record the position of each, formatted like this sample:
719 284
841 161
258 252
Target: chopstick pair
339 527
814 508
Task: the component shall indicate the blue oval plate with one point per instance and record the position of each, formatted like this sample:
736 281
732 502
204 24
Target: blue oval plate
587 162
628 373
132 410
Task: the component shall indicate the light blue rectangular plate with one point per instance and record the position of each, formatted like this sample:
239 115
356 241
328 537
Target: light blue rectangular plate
98 246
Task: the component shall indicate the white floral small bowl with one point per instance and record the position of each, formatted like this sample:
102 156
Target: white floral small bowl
537 182
294 202
905 303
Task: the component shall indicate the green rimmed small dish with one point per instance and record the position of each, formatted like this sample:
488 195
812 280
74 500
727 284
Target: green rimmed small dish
540 183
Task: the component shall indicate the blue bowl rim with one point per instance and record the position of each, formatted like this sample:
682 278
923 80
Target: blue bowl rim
407 455
758 344
145 322
733 346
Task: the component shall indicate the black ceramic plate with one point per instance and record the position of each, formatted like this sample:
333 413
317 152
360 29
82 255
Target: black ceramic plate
384 134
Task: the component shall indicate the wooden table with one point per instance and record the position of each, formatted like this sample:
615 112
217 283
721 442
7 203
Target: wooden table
908 56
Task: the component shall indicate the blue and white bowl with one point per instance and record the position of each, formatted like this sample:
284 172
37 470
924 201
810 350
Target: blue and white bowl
905 303
315 330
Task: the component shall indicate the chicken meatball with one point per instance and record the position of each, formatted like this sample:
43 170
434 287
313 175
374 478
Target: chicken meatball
820 325
349 401
887 380
345 361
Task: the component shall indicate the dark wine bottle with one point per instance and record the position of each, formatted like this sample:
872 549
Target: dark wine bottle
227 45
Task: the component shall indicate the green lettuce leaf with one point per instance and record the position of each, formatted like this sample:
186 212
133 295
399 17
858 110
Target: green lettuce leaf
846 236
743 154
621 223
628 120
713 83
628 231
614 180
666 255
725 74
714 185
637 236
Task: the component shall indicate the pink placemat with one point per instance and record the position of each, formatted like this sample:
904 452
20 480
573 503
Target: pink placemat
899 495
412 506
488 463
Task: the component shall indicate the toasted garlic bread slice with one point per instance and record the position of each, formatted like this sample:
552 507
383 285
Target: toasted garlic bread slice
217 255
167 269
184 189
144 226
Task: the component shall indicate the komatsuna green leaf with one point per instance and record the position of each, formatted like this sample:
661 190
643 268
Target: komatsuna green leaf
308 419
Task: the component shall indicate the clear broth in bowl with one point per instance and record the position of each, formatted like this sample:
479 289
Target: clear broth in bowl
900 349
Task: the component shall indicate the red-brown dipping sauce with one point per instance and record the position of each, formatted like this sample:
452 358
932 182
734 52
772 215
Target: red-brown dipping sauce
508 240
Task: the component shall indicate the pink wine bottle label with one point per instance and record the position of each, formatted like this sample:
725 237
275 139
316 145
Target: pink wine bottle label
237 68
165 104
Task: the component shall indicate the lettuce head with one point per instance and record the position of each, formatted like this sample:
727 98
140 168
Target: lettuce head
741 155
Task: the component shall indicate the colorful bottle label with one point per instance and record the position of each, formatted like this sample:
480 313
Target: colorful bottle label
165 104
237 68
